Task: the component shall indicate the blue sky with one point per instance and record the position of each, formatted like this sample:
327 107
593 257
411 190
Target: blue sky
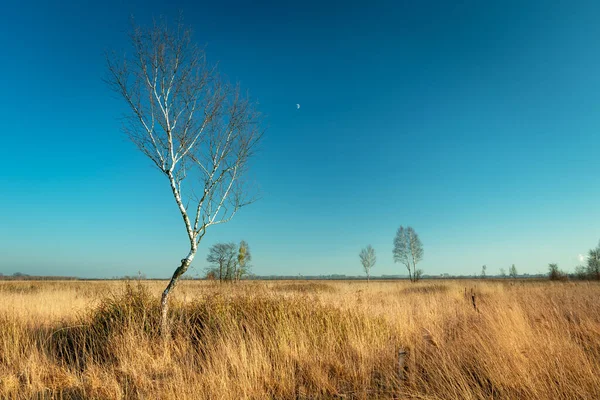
476 123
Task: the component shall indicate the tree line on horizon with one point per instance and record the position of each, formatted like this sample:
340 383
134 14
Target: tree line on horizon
408 250
588 271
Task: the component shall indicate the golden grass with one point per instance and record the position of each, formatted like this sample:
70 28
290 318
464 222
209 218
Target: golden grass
291 340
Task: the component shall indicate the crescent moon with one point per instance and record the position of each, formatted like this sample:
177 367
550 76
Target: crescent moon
297 106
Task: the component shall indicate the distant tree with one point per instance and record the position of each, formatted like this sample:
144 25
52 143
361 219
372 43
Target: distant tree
591 268
416 252
198 130
368 259
483 269
593 263
502 273
229 262
408 250
581 272
513 272
418 275
554 273
243 261
223 256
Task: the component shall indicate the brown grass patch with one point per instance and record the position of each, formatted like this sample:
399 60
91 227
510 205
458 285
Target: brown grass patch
272 340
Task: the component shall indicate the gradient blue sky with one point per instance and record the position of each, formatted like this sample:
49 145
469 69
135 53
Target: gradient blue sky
475 122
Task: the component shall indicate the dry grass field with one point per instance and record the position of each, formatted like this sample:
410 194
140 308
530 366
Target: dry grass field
305 339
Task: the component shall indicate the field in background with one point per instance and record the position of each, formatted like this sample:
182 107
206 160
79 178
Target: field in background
301 339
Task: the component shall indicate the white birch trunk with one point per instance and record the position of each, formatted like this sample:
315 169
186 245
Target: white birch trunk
164 302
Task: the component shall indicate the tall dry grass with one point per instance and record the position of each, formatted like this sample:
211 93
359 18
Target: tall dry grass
289 340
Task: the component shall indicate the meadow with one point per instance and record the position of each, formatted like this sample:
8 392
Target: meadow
463 339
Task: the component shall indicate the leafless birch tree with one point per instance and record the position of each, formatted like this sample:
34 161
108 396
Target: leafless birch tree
197 130
368 260
408 250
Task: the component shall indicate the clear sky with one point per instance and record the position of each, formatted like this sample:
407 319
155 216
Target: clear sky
477 123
